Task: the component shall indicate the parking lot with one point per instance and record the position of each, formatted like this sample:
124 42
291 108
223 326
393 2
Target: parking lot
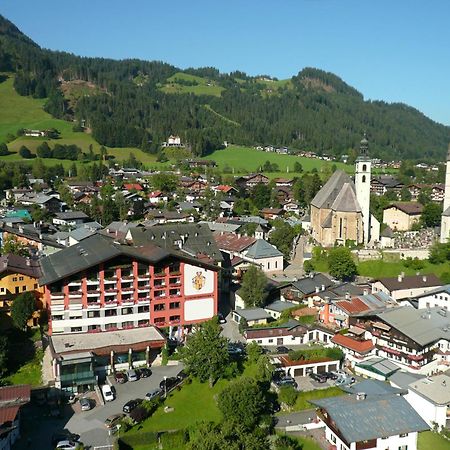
38 425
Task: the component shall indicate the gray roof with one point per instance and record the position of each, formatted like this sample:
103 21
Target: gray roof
374 417
279 306
308 285
346 200
253 314
254 219
195 239
446 213
262 249
373 388
404 379
71 215
379 365
423 327
439 290
435 389
327 195
222 226
387 232
88 253
81 233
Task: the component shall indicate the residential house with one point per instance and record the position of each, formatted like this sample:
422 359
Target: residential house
70 218
50 203
276 308
416 340
272 213
436 191
156 197
438 297
251 180
300 290
12 398
354 346
401 216
376 368
18 275
381 184
291 333
402 287
251 316
264 255
302 367
373 416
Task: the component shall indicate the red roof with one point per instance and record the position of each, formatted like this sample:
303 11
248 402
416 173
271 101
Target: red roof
353 344
353 306
155 194
11 399
233 242
135 186
224 188
8 414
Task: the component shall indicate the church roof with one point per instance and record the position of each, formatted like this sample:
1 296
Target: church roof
346 200
328 221
327 195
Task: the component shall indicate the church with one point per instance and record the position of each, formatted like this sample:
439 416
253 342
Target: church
340 211
445 220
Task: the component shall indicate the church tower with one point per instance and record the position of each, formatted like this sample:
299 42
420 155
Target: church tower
445 221
362 185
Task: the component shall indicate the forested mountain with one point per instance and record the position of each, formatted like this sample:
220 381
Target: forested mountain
139 103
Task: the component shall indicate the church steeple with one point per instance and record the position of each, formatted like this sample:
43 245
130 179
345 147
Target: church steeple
364 148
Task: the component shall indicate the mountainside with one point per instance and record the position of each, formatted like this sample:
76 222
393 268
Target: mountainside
134 103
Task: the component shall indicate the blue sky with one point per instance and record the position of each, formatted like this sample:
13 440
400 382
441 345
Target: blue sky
393 50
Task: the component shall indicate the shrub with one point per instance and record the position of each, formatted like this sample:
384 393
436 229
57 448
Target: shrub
139 414
24 152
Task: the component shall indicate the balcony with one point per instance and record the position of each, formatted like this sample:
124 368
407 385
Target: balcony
160 273
143 300
92 294
56 295
110 302
109 280
161 295
94 281
143 276
110 292
75 283
174 293
128 302
93 305
127 277
174 282
127 289
144 288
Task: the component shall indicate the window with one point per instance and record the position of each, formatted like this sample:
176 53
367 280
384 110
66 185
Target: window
364 168
143 309
403 447
333 438
174 305
404 435
2 290
268 265
24 288
92 314
110 325
35 285
126 311
75 329
17 289
174 318
270 340
127 325
159 307
93 327
14 278
20 278
340 227
110 312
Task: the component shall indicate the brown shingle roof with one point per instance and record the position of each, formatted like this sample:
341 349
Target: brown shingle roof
410 208
19 264
410 282
233 242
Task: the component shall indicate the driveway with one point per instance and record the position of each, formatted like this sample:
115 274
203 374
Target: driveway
230 330
88 424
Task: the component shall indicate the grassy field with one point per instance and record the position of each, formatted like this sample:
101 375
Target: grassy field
204 86
381 268
25 112
245 159
302 402
429 440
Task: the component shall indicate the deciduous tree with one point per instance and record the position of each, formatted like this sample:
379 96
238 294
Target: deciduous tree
22 309
341 264
253 287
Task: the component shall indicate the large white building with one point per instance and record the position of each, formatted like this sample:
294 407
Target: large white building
445 221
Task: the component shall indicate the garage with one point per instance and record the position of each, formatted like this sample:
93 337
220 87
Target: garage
321 369
298 372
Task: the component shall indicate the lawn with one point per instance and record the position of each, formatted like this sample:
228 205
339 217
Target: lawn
303 397
429 440
382 268
306 443
29 373
198 397
243 160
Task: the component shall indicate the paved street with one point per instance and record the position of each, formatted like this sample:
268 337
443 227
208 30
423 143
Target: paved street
88 424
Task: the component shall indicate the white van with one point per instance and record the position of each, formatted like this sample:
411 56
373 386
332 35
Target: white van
108 393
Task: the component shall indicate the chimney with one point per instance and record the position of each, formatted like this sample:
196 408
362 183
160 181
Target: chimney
28 261
365 292
327 300
317 289
311 275
322 287
400 278
424 278
347 296
361 396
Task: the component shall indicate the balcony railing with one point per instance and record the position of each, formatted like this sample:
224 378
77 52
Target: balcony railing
56 295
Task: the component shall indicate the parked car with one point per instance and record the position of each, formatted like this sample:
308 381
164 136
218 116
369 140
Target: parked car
120 377
71 399
282 349
64 435
85 404
144 372
69 445
129 406
154 393
331 375
132 375
112 421
235 350
108 393
221 318
286 381
168 383
320 378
